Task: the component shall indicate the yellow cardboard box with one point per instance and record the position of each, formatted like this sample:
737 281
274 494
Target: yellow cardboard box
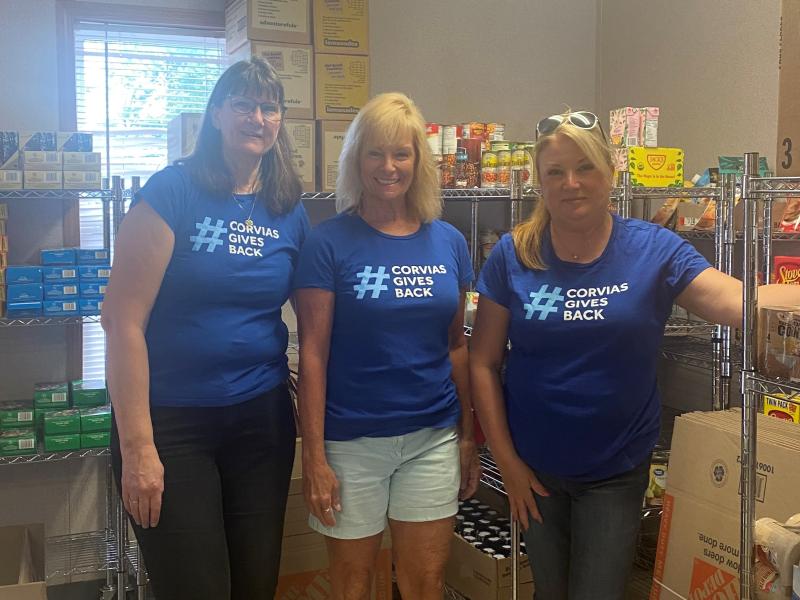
330 139
295 67
302 135
341 26
11 180
341 85
656 167
287 21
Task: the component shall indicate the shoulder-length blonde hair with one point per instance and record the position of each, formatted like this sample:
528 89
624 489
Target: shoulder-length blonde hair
528 235
387 119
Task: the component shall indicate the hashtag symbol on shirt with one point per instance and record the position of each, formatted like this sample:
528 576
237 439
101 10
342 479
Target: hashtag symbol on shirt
543 308
213 240
371 282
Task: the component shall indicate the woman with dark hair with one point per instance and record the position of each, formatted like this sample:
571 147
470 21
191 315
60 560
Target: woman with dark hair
203 442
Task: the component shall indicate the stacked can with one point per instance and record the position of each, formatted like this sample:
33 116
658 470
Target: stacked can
482 527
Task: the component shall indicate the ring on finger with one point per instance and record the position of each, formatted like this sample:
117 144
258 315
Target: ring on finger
327 510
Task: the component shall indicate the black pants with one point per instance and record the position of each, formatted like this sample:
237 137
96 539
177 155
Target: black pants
226 478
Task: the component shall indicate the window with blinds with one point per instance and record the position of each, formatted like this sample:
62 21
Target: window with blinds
130 81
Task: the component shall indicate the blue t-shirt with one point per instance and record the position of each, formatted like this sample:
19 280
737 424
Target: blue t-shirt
395 299
580 384
215 335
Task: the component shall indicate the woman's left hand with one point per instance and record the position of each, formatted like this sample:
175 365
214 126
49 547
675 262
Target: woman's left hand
470 468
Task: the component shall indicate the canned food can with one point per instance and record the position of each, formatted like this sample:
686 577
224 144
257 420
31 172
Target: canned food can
503 150
433 131
495 131
474 130
489 169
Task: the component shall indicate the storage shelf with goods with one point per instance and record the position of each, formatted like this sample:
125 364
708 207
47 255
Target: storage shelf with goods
106 195
38 321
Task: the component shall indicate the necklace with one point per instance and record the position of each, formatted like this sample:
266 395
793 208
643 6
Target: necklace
249 220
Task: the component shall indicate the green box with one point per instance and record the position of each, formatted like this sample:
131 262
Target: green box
51 395
96 419
38 417
58 443
15 442
88 393
14 415
97 439
62 422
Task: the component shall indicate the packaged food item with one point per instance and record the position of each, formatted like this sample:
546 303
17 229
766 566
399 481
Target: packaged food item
62 443
503 151
790 221
15 442
781 407
708 218
16 415
779 341
51 395
433 131
654 495
62 422
665 216
786 269
650 116
489 169
88 393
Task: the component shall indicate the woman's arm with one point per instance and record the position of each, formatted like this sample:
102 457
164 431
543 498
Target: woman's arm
314 321
459 359
143 249
717 297
487 351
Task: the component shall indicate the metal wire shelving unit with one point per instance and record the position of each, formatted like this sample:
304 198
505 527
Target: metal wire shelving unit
99 551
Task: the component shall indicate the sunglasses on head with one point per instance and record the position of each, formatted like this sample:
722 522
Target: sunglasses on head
583 119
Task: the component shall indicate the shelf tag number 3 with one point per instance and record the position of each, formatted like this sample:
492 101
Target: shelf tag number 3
786 163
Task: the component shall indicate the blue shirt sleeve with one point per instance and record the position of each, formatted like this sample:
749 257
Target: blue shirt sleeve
316 267
166 193
493 281
683 264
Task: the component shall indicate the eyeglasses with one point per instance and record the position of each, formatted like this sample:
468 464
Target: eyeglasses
271 111
582 119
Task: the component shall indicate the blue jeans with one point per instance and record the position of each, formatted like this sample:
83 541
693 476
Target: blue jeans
584 548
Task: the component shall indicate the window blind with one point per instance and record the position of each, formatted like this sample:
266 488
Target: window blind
130 81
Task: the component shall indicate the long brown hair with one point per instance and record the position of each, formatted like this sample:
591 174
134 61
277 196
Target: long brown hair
280 184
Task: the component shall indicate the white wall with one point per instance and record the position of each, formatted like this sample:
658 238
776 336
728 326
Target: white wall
712 67
470 60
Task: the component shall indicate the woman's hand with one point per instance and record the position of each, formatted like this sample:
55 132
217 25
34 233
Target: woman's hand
142 484
470 467
321 491
520 482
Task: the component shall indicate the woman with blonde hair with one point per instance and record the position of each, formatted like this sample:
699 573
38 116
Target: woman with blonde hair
384 387
583 296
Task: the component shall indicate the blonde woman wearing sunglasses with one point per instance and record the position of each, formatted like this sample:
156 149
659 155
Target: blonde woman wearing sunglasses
583 296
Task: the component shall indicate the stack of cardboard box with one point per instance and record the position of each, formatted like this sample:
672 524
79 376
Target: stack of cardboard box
3 256
48 160
698 545
320 50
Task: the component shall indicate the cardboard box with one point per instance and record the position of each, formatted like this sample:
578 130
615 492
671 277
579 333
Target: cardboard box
3 211
59 274
23 274
81 161
788 153
92 289
38 141
288 21
42 180
16 415
92 256
341 85
39 160
295 67
330 139
51 395
19 310
341 26
698 546
97 439
82 180
58 256
94 420
11 180
74 141
60 308
9 150
62 443
688 215
22 562
24 292
88 393
94 272
302 135
15 442
475 574
656 167
182 133
781 408
62 422
60 291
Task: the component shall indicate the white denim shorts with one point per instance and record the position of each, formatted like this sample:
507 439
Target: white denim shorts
413 477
